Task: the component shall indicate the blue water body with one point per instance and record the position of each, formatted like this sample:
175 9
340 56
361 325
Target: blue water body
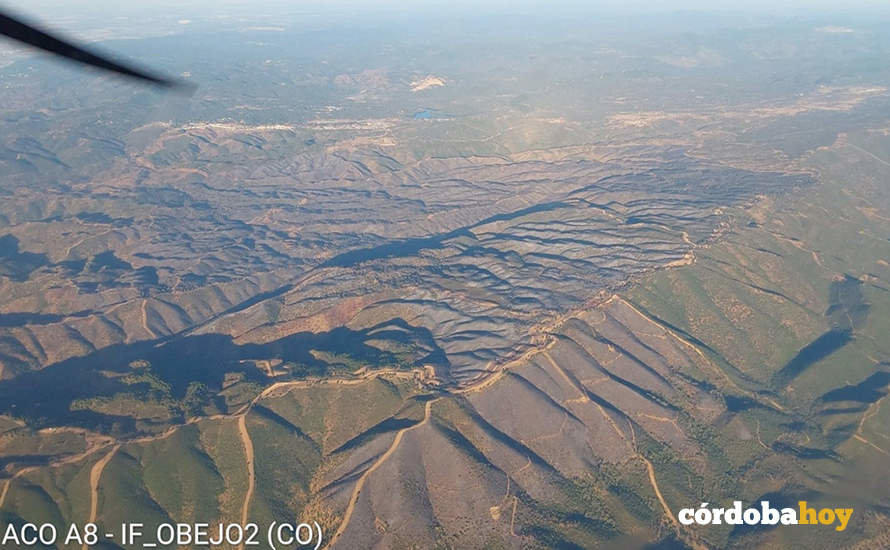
430 114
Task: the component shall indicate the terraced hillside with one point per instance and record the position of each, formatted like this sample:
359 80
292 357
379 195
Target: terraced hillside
429 325
627 408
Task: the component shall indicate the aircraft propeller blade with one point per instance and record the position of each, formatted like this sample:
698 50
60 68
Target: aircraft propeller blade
15 29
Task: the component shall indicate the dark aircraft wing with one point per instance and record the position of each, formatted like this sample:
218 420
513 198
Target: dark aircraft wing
23 32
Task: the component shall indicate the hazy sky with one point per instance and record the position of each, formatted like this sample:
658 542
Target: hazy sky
635 6
96 20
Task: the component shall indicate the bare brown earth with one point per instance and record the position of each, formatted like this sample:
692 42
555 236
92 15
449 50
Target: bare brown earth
533 348
538 238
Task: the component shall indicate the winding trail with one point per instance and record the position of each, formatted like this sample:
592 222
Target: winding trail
145 326
95 477
651 470
869 153
495 371
687 537
100 442
871 411
6 487
347 515
251 477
